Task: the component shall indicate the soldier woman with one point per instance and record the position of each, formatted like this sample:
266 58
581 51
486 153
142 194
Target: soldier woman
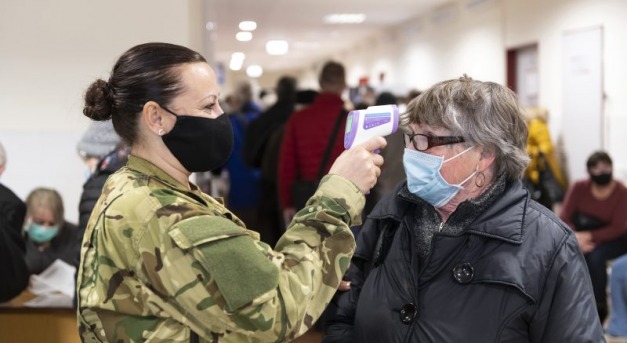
163 262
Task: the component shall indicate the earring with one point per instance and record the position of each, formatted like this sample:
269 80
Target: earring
160 133
481 178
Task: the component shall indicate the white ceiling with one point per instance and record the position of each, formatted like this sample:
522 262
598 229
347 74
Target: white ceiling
300 23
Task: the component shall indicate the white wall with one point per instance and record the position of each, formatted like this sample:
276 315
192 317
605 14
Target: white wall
441 45
458 39
50 51
545 22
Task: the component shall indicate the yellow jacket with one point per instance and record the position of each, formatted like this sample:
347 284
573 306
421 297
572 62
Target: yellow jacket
539 142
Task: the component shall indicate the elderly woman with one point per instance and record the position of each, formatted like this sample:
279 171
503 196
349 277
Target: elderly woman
48 236
459 253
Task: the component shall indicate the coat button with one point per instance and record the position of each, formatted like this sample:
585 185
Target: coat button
408 313
463 272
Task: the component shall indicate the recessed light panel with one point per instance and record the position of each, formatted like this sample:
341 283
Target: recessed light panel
254 71
247 26
244 36
345 18
277 47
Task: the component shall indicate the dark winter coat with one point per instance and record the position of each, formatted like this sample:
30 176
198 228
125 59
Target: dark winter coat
13 270
514 274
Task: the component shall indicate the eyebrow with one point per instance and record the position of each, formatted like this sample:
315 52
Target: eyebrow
210 96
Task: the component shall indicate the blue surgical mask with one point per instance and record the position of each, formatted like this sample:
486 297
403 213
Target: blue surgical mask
425 180
41 234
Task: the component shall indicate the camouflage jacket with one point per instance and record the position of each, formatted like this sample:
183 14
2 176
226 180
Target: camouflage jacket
159 260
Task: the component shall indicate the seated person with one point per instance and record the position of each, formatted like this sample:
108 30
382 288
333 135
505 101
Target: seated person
48 236
595 209
616 331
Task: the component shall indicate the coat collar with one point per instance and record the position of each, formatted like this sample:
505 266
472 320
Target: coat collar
503 220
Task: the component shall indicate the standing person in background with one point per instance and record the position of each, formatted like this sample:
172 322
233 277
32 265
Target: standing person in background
101 149
308 133
596 209
261 150
546 191
392 172
49 235
459 253
243 196
163 262
13 271
97 141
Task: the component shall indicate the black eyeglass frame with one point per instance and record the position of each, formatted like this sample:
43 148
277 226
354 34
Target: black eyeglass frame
433 140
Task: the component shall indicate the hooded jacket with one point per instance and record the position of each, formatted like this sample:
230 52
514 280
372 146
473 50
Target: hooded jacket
514 274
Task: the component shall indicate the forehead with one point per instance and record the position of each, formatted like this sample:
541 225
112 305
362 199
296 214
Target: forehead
42 213
602 165
429 130
199 80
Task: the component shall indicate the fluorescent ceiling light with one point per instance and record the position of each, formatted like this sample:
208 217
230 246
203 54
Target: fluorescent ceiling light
276 47
244 36
345 18
237 60
247 26
254 71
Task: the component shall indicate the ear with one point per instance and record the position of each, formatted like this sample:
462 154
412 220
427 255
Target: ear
152 115
1 170
486 159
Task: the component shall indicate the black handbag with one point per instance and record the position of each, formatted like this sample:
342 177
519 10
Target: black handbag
302 190
548 183
586 222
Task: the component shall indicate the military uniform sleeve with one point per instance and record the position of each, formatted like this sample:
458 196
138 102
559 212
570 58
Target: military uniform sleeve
220 280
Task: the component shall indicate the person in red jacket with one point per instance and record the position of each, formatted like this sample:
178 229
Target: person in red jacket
596 209
307 134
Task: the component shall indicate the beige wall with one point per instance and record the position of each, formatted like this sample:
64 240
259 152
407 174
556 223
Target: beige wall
50 51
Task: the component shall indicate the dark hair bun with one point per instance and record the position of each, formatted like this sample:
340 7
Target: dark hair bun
98 101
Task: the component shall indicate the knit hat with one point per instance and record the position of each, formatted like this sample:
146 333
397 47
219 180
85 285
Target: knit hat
99 140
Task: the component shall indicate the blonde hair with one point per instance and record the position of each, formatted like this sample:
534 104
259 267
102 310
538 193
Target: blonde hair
536 113
45 198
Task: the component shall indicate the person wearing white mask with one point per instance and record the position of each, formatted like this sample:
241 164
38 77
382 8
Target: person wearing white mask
459 252
48 236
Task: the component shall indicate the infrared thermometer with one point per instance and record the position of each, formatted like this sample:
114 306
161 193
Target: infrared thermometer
361 125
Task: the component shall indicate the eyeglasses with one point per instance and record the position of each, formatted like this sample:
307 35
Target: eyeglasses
423 142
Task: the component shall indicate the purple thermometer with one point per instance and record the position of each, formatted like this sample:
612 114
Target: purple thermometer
374 121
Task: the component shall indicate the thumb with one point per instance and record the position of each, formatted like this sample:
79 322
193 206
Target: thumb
374 143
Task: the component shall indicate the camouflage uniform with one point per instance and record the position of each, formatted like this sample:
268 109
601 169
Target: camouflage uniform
159 260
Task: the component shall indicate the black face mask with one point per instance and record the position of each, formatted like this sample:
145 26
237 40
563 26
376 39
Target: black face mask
601 179
201 144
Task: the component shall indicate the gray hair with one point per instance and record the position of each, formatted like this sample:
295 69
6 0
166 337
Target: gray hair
484 113
3 156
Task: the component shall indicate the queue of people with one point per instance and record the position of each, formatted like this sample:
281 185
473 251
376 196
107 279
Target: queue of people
454 247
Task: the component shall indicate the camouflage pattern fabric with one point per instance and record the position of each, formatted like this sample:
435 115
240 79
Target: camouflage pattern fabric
159 260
